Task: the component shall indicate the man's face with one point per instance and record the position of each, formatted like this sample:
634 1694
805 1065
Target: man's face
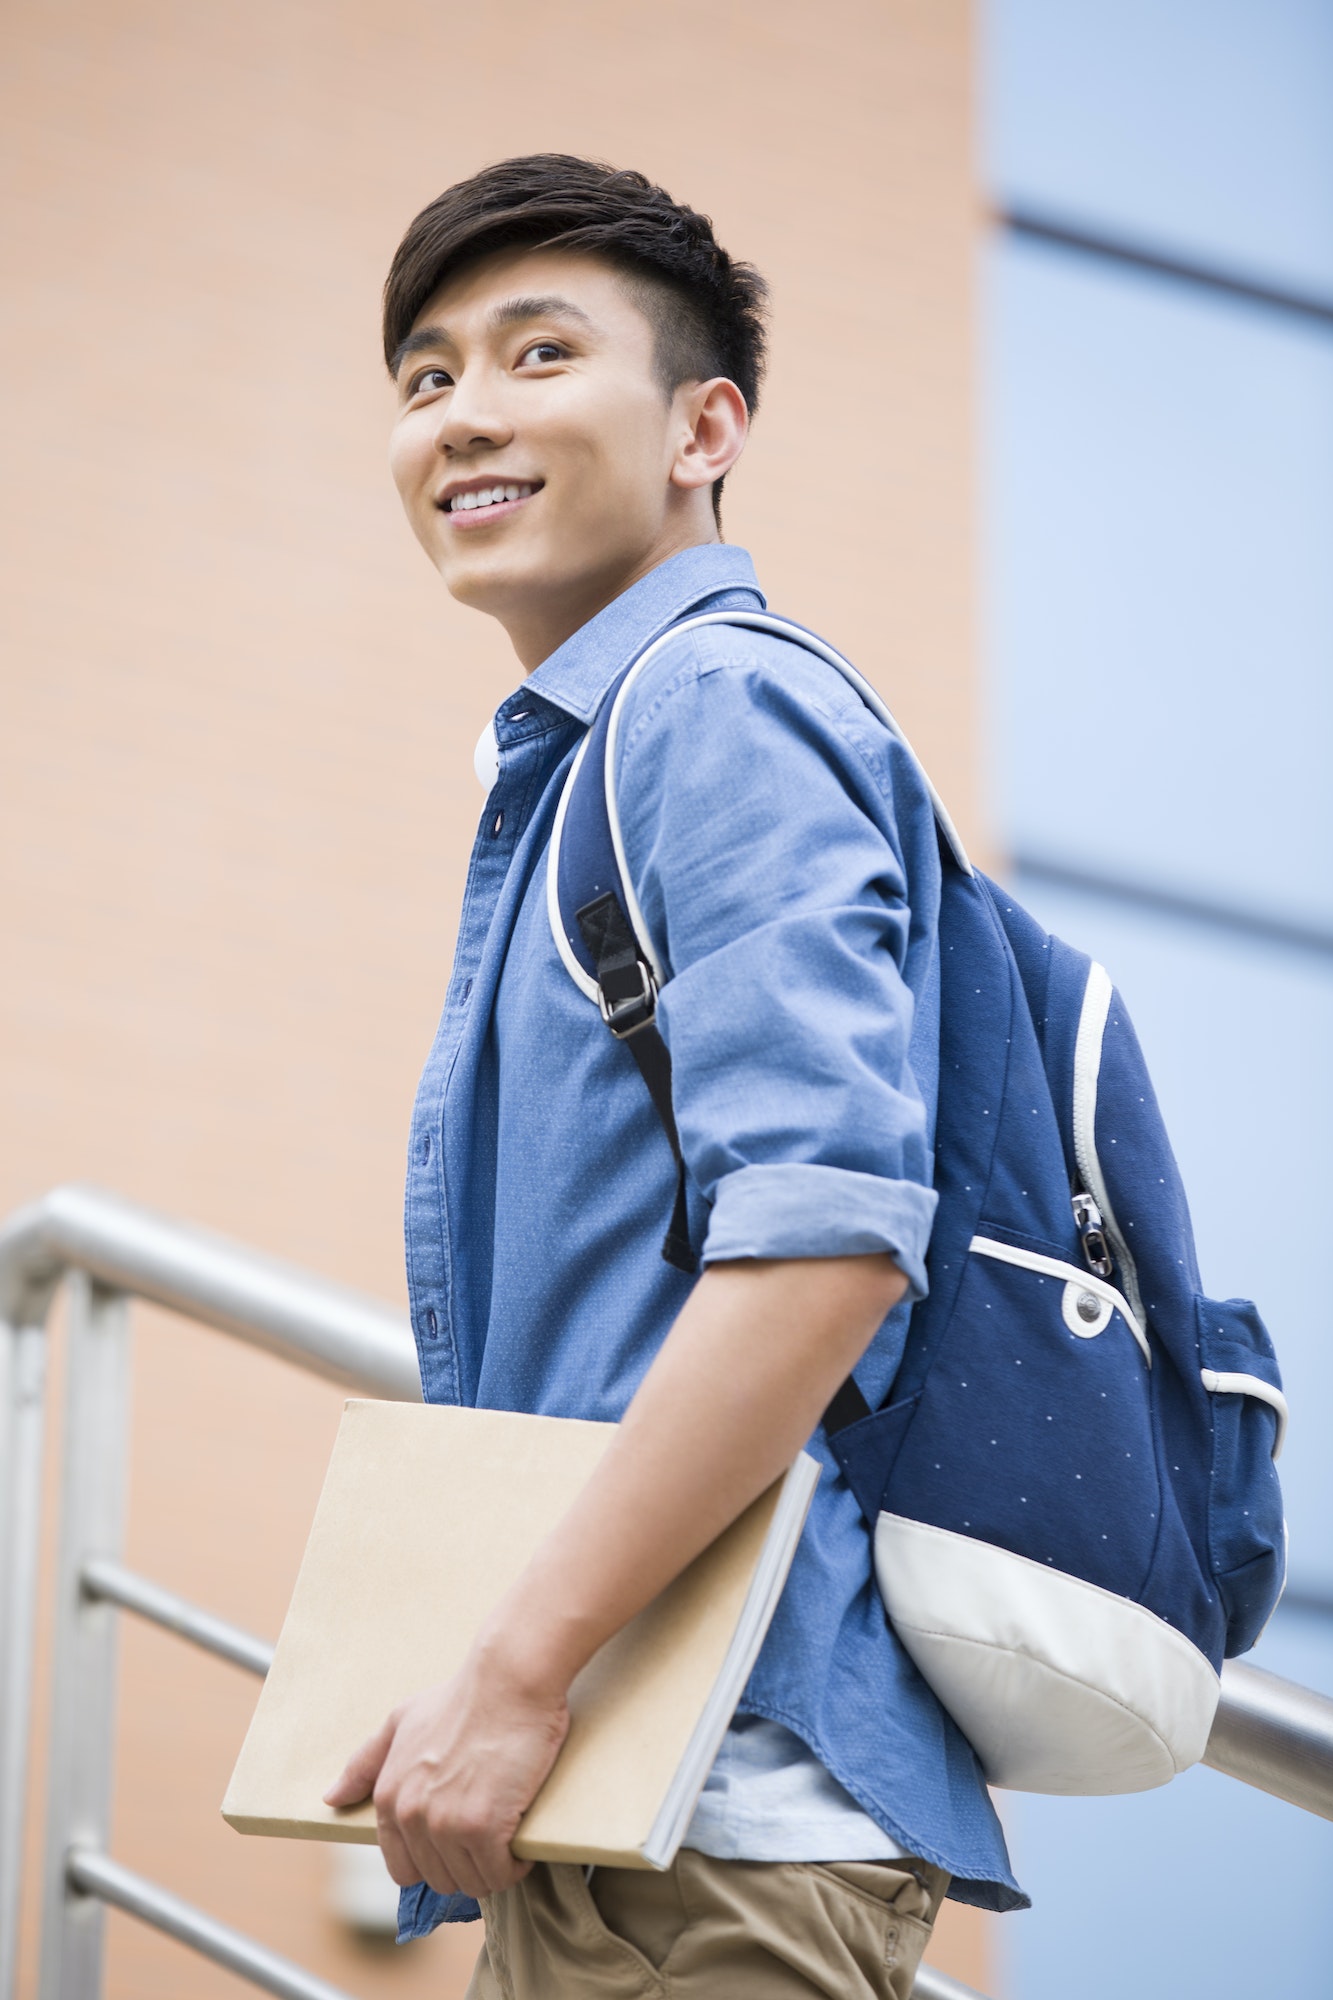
534 446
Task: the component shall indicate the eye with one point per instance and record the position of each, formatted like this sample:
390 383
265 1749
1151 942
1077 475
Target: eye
427 381
542 351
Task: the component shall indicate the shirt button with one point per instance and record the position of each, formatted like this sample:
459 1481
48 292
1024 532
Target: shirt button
432 1324
497 823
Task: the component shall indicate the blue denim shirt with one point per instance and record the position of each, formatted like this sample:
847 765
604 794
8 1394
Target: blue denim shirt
774 830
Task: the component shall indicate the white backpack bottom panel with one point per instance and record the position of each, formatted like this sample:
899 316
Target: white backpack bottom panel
1059 1686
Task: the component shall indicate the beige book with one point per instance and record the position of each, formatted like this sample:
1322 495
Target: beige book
427 1516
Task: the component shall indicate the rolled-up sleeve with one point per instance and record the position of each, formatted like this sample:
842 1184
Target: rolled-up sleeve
757 801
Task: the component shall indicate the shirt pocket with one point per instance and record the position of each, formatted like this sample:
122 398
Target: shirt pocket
1246 1531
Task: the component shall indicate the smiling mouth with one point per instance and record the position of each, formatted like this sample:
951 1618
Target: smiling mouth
480 504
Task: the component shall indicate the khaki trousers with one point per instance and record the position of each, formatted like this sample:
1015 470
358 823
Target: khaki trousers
710 1930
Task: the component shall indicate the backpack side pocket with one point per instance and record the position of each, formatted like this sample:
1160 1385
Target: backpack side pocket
1246 1532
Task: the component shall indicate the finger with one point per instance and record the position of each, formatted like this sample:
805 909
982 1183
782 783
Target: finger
440 1857
482 1857
459 1863
398 1860
357 1781
498 1868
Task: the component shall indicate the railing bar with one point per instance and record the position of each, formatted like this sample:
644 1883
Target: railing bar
22 1392
1275 1735
115 1584
325 1328
98 1875
82 1721
933 1985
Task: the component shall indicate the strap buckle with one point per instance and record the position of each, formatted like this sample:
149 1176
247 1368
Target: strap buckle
626 1016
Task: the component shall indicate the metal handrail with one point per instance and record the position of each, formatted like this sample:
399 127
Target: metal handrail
931 1984
1276 1736
1269 1733
112 1583
98 1875
111 1250
327 1328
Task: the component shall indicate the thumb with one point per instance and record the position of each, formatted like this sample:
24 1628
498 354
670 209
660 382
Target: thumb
359 1774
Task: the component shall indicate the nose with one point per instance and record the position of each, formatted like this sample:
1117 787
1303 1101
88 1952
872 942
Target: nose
472 418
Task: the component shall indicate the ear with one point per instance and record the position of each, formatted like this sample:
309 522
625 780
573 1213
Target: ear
713 426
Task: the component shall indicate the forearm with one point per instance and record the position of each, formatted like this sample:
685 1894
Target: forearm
739 1385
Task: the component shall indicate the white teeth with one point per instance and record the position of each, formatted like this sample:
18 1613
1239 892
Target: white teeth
490 496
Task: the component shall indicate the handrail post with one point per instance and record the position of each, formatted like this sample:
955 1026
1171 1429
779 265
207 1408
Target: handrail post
95 1452
22 1412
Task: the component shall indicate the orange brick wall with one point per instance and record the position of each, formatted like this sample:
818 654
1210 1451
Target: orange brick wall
236 794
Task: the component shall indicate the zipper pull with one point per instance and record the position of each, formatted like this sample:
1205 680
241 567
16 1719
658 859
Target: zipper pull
1092 1234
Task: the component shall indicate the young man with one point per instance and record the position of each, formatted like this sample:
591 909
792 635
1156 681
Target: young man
576 362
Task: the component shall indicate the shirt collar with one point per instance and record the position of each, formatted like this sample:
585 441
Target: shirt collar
577 675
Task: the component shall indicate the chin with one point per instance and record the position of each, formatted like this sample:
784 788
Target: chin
489 586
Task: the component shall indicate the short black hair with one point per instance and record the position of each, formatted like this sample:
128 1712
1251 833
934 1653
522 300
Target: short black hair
706 309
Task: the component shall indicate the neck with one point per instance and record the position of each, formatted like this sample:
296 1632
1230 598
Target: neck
536 631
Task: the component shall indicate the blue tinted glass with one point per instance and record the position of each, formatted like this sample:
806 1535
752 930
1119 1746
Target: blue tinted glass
1201 126
1160 528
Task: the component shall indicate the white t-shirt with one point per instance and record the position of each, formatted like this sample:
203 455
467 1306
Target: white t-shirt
768 1798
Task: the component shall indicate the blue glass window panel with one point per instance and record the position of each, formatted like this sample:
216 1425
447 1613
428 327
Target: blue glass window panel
1160 557
1206 1887
1237 1037
1203 127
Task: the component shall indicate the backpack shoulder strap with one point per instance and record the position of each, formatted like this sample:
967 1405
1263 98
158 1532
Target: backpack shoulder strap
594 913
587 854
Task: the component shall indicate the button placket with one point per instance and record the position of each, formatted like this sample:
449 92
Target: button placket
525 763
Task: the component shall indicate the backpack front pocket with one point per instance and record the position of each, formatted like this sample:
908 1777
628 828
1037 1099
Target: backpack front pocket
1246 1534
1033 1430
1087 1304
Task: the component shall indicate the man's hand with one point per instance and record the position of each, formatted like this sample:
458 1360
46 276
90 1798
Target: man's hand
452 1772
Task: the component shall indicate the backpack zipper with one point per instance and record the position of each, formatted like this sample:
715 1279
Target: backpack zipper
1094 1218
1091 1233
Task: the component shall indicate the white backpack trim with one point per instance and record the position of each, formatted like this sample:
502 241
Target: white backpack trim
586 984
1087 1069
1059 1686
1219 1383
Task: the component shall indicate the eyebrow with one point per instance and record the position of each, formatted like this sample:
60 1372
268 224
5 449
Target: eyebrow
513 311
510 312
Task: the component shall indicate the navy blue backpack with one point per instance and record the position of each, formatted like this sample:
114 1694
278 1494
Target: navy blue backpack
1070 1487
